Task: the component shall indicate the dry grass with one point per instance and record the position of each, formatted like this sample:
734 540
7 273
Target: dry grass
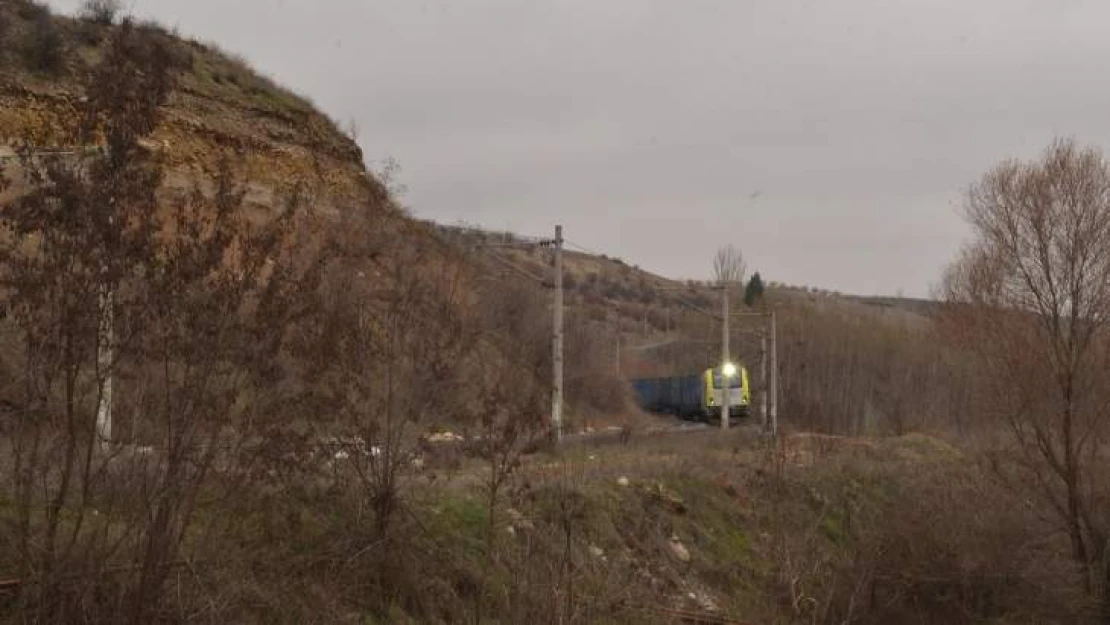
817 529
814 529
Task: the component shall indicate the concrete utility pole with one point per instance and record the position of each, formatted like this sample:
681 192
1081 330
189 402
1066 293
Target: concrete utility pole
763 379
105 327
104 364
774 378
104 356
770 422
617 334
725 390
557 341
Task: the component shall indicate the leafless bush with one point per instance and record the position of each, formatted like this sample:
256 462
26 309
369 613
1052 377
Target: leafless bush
43 46
871 541
385 365
962 550
351 129
511 417
392 351
5 35
102 12
389 175
186 302
1030 296
855 371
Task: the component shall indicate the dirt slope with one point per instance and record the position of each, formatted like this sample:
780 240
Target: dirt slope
220 104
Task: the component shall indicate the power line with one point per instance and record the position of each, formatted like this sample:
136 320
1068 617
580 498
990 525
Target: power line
517 268
520 242
696 308
583 248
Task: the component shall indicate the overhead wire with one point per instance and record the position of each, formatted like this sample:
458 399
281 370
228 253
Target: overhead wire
582 248
517 268
491 249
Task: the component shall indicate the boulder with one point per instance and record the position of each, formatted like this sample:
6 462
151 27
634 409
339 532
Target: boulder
678 550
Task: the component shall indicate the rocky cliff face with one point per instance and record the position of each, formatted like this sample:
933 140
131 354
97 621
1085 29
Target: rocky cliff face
220 105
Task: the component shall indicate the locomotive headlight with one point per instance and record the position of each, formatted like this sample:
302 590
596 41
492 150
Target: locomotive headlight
730 369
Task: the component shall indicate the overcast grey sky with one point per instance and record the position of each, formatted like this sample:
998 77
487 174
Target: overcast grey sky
830 141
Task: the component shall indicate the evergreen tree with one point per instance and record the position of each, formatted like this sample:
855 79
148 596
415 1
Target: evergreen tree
754 291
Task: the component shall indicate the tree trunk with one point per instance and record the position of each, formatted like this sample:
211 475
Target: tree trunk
1104 603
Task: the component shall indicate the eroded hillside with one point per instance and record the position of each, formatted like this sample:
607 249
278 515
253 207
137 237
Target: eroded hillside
219 104
276 140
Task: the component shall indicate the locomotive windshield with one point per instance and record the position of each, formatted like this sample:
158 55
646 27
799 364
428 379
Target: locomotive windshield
734 381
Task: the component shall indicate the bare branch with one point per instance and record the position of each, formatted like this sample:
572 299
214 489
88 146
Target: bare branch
1032 292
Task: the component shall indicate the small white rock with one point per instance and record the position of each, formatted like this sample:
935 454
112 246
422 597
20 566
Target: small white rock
519 520
623 482
678 549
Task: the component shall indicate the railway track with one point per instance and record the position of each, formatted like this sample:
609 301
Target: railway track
613 434
693 617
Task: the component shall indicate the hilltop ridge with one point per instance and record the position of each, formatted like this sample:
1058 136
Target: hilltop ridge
219 104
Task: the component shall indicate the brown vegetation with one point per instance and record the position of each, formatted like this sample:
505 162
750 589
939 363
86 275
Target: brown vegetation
1030 296
249 354
282 363
188 301
102 12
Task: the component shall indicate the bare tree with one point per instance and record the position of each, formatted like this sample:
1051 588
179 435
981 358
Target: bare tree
101 11
388 354
44 47
389 174
199 300
5 35
510 394
729 266
351 129
83 225
1031 294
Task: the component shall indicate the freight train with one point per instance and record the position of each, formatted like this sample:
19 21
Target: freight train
697 396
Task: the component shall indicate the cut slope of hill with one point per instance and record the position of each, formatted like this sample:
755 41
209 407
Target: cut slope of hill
220 103
276 139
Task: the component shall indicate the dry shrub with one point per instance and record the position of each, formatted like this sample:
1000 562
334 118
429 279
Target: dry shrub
599 395
402 341
933 542
5 35
43 45
1029 297
855 371
198 301
592 388
958 549
102 12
